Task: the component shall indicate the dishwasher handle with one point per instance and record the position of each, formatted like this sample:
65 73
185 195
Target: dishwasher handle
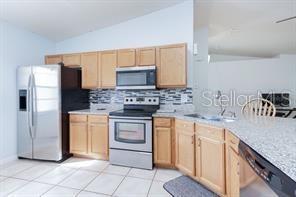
277 180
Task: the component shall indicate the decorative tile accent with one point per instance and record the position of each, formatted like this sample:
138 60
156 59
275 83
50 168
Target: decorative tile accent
167 96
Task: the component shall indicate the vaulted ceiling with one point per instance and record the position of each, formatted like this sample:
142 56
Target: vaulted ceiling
62 19
248 27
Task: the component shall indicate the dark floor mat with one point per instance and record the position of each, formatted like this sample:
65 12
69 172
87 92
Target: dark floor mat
184 186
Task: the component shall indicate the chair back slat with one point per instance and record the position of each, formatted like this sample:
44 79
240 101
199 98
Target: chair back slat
265 108
259 107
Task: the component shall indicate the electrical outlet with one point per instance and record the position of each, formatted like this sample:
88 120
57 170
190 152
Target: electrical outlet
184 98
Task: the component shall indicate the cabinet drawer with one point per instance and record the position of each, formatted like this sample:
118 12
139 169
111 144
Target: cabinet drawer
209 131
78 118
232 141
185 125
97 119
162 122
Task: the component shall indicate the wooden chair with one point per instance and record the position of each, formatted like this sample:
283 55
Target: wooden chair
259 107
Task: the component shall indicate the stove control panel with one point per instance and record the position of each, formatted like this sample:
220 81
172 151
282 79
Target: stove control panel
141 101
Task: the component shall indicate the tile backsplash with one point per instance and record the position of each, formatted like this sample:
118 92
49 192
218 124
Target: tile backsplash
167 96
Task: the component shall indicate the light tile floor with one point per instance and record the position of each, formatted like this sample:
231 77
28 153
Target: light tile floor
81 178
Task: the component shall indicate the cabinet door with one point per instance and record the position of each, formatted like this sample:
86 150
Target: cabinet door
185 157
98 140
53 59
89 63
171 66
126 57
162 146
233 175
72 60
210 163
107 68
146 57
78 137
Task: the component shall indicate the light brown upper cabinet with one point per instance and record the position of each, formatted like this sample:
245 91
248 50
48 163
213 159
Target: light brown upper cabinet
89 63
107 68
146 56
171 62
210 157
126 57
185 157
53 59
72 60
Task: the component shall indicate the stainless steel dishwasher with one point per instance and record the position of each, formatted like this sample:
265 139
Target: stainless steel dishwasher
268 181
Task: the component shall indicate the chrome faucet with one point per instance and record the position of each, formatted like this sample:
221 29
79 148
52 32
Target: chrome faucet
219 98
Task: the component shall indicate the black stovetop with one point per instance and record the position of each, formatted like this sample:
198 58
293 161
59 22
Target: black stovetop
132 113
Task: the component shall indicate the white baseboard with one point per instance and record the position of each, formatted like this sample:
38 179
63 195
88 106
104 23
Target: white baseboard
8 159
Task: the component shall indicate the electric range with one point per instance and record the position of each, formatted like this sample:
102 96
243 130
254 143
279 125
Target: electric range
130 132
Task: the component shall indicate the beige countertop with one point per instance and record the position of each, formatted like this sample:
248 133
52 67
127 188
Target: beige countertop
97 110
273 138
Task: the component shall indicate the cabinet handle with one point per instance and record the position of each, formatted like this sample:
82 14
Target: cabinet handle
192 139
232 142
237 168
198 142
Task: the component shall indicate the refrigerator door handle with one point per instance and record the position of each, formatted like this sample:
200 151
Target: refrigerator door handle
29 108
34 106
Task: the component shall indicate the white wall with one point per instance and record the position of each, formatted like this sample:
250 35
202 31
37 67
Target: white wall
17 47
200 65
167 26
249 76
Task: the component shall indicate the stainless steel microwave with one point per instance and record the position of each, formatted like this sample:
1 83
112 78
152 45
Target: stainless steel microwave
136 78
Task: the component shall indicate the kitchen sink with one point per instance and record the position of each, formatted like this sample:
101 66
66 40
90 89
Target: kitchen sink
213 118
210 117
101 109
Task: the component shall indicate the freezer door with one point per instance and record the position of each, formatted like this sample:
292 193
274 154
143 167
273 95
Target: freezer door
24 112
47 138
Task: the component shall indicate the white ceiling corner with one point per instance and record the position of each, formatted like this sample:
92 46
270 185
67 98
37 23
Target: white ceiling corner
62 19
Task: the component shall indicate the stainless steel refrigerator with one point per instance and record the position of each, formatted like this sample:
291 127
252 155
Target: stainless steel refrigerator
45 95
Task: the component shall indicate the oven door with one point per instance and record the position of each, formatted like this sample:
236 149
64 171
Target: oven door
128 133
136 78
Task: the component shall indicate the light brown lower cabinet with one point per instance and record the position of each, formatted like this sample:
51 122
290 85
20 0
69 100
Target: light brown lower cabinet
89 136
163 149
208 154
233 174
185 147
210 157
98 136
239 173
78 134
232 165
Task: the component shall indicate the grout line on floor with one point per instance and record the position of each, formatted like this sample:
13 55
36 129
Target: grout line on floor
19 187
152 181
83 189
11 176
121 181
